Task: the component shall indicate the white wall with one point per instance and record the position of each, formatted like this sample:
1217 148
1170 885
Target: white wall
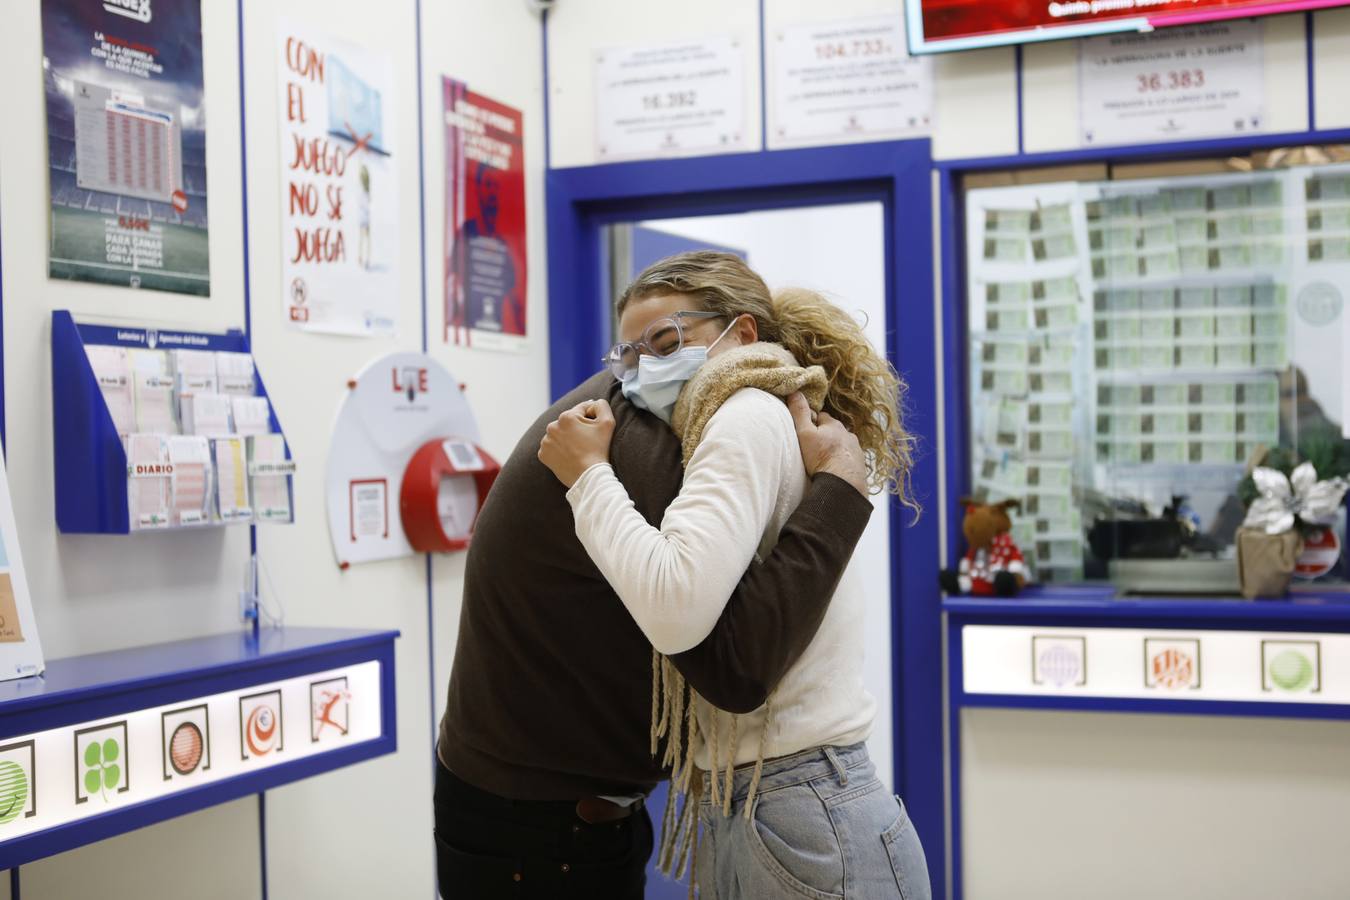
96 593
471 42
839 251
977 92
306 377
576 30
1116 807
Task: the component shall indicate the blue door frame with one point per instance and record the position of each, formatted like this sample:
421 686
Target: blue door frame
581 201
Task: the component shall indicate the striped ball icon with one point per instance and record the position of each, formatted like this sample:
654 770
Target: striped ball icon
13 790
185 748
1291 670
1060 665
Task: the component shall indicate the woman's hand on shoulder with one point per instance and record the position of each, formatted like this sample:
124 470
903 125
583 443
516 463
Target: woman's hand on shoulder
827 446
577 440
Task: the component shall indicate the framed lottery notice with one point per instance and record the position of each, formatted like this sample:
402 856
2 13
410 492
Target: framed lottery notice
20 650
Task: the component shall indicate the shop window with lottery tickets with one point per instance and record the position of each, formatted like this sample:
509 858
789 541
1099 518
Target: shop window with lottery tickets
1135 346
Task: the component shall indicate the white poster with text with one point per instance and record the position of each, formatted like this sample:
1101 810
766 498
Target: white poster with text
845 81
1174 84
339 185
672 100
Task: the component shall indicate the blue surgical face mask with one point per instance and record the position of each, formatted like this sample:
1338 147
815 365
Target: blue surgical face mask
659 379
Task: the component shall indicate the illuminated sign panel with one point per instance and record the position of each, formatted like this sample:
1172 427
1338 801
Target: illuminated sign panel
67 774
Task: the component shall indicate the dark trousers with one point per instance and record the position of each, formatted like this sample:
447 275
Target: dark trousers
489 847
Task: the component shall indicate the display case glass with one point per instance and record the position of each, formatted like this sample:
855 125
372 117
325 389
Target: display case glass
1136 346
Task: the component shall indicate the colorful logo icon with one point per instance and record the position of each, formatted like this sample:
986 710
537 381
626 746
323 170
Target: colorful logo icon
1173 665
186 735
1059 661
329 708
101 761
1294 667
18 788
260 730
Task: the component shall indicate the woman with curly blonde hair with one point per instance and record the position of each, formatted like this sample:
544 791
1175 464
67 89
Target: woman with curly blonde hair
781 801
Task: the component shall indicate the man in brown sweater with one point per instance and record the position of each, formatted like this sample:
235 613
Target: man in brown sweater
544 751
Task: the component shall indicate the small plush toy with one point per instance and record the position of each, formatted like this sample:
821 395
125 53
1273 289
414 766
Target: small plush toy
992 566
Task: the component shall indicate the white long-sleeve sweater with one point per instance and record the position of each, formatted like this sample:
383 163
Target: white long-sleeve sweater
741 486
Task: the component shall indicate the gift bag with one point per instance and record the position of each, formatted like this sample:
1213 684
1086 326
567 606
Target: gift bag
1266 561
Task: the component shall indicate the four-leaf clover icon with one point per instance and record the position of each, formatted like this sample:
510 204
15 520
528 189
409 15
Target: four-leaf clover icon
102 773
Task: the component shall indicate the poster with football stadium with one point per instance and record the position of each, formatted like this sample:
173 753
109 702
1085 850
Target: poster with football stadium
126 143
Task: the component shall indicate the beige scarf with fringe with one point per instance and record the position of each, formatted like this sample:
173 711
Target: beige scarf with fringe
771 368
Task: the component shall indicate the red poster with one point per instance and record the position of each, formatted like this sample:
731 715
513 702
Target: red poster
485 265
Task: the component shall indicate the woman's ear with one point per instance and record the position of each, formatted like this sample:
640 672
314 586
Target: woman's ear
746 329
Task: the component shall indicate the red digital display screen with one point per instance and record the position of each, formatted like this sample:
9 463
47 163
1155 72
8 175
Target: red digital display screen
937 25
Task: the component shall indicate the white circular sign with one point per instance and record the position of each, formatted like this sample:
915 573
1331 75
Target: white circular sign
395 405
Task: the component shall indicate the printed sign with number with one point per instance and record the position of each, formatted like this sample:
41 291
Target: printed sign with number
842 81
1172 84
671 100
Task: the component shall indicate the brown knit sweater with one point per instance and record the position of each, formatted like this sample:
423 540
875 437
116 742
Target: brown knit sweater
550 694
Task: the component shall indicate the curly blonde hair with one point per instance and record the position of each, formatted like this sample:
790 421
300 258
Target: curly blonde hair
865 392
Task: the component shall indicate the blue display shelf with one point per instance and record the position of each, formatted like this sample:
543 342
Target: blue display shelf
89 457
77 695
1099 605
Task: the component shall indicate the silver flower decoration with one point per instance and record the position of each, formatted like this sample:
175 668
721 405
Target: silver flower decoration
1300 497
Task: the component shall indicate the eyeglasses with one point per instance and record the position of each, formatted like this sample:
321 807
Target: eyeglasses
661 338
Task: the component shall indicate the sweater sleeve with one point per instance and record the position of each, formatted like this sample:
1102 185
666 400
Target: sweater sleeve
779 604
676 580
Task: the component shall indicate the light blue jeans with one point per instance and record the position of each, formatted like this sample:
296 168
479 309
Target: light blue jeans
823 827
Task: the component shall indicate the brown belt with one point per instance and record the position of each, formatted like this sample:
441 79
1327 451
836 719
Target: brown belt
598 811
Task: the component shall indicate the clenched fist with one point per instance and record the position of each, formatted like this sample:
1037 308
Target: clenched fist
577 440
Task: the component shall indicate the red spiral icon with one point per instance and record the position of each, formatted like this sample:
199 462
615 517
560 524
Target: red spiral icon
260 731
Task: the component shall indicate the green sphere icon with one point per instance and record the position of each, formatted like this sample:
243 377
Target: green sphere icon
1291 670
13 790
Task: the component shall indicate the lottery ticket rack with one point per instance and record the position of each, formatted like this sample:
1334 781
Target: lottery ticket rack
159 429
104 744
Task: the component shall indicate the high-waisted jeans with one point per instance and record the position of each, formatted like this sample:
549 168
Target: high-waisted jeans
823 827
